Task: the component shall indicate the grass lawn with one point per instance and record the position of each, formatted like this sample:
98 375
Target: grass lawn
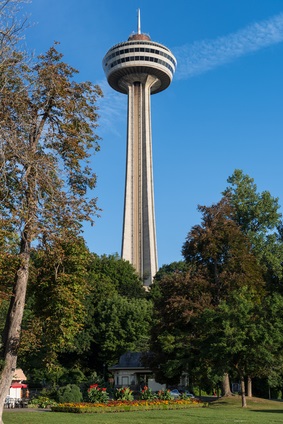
222 411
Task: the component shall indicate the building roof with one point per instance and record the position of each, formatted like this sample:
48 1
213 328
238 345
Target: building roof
18 386
19 375
131 360
139 37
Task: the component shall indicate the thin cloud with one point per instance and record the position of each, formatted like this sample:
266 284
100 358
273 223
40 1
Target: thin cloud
112 109
201 56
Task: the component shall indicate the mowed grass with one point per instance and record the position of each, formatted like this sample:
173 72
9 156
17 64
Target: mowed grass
222 411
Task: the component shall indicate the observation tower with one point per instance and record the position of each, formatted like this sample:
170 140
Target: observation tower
139 67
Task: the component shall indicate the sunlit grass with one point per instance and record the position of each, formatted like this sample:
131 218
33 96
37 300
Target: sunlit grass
222 411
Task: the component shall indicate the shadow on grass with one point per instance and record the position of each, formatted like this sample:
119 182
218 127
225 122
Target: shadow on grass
271 411
215 403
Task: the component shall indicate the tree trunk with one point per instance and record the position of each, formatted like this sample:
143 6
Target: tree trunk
12 331
250 392
243 392
226 385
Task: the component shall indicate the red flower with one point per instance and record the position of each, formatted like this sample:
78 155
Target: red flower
93 386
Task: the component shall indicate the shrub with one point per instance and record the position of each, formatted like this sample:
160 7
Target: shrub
97 394
72 376
164 395
42 402
69 393
146 394
125 393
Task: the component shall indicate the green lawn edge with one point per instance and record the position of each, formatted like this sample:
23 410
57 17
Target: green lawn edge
220 411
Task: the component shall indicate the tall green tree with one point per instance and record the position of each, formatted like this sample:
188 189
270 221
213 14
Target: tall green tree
236 249
117 310
119 273
258 215
220 260
121 325
76 302
244 333
56 308
48 123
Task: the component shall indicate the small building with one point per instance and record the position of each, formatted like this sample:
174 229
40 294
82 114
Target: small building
18 389
130 372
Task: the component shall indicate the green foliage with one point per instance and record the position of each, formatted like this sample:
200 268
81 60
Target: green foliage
146 394
42 402
164 395
244 333
9 263
221 252
45 187
120 325
69 393
86 323
117 273
259 218
123 393
74 375
94 378
97 394
174 268
114 322
220 262
62 279
255 212
47 132
55 310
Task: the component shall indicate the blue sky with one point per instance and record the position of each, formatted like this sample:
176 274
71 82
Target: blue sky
223 110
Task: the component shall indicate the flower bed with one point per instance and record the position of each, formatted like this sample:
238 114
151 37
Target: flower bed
127 405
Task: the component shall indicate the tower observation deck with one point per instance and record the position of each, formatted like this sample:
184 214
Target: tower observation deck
139 67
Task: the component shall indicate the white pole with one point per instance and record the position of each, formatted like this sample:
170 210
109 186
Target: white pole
139 22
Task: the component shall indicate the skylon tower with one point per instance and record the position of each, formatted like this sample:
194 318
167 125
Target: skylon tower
139 67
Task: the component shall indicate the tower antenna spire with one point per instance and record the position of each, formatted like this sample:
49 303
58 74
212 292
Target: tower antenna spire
139 21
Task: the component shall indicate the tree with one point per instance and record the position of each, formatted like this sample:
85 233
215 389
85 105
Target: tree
10 32
166 270
71 293
48 124
119 273
178 298
243 334
236 249
118 315
259 218
220 261
11 28
224 253
219 250
121 325
56 308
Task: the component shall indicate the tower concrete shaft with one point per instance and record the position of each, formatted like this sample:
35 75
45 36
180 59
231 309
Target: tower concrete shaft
139 235
139 67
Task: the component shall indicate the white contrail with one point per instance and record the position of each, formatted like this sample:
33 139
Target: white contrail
202 56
